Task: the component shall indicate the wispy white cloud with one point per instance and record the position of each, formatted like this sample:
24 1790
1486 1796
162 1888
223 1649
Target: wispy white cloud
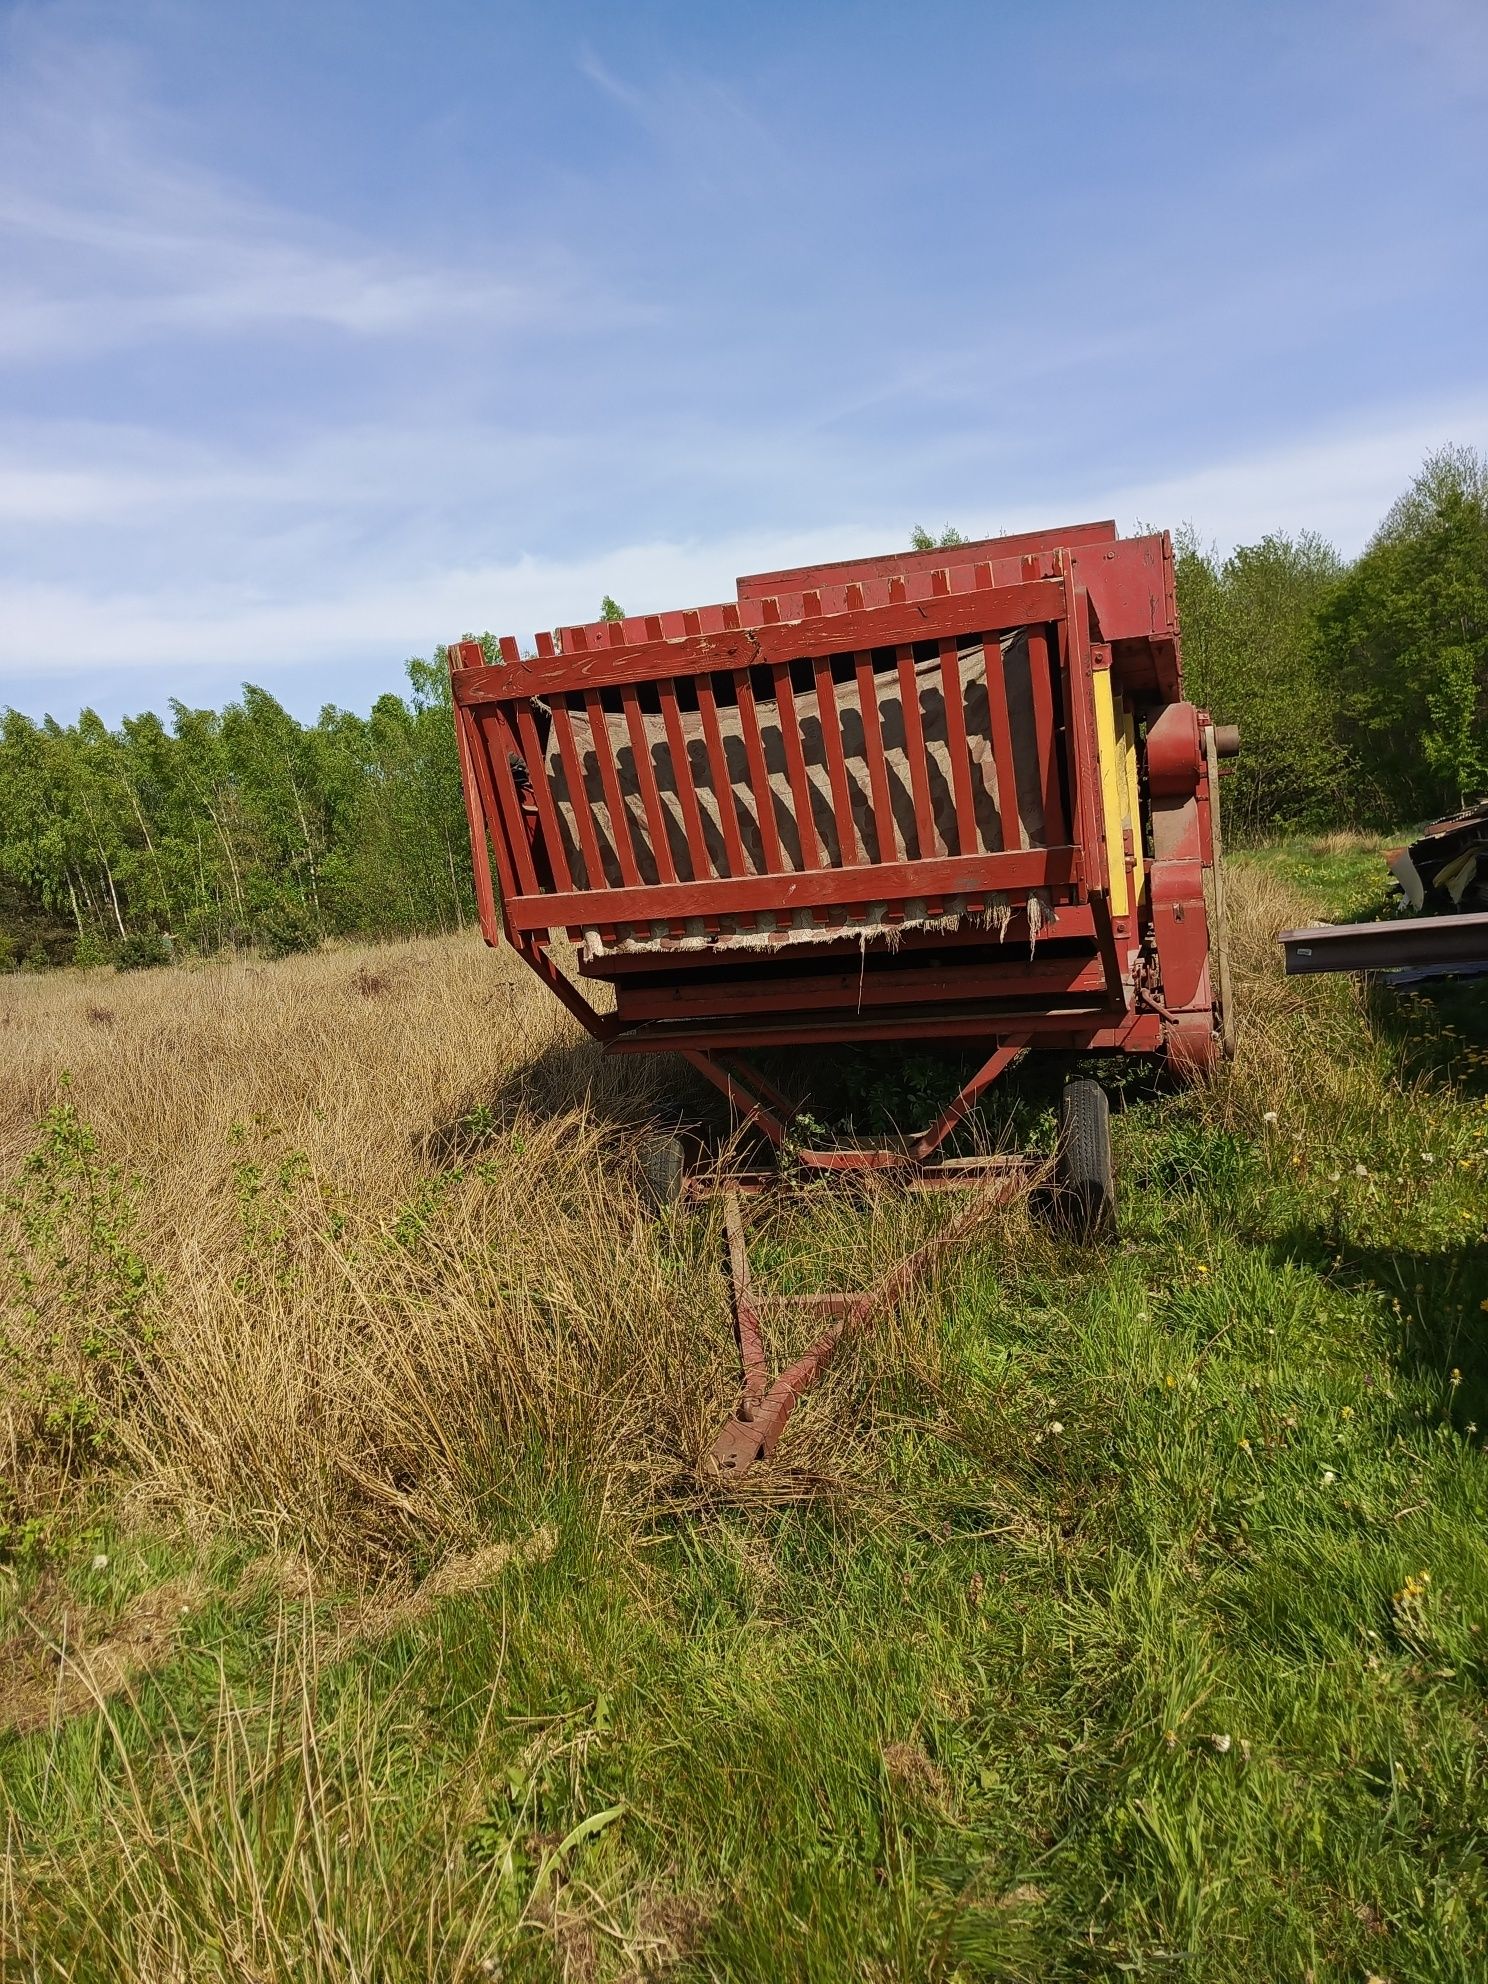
1337 482
111 237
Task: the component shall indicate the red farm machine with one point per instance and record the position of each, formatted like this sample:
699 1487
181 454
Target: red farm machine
949 796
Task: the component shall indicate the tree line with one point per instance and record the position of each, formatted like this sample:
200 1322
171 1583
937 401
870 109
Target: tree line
1361 690
233 827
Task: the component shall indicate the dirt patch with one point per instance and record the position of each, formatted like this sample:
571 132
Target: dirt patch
916 1774
459 1575
54 1667
377 1613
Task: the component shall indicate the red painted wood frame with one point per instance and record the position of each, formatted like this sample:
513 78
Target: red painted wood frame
497 713
866 621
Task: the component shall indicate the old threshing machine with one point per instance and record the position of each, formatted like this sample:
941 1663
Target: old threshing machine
940 796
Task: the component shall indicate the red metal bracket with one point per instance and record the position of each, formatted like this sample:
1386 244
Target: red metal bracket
754 1431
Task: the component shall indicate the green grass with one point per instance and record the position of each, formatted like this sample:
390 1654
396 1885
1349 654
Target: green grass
1343 874
1146 1642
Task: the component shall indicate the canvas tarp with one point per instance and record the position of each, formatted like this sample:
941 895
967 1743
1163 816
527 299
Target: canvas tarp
1019 825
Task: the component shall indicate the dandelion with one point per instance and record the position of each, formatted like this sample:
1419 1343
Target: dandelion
1055 1427
1347 1412
1329 1477
100 1562
1427 1157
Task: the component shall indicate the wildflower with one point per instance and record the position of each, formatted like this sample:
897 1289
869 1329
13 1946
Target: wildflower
100 1562
1199 1268
1221 1743
1329 1477
1346 1412
1270 1117
1361 1171
1456 1378
1055 1427
1427 1157
1333 1177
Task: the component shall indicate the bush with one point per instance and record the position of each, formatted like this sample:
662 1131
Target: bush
90 950
284 925
142 950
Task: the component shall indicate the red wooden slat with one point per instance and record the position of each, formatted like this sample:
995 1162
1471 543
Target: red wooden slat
578 796
1046 731
1026 868
892 564
754 752
795 765
955 715
1002 743
723 791
700 650
826 705
640 746
599 729
500 746
886 847
547 812
692 817
914 751
484 820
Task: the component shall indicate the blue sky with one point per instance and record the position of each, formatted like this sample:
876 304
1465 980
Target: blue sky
331 331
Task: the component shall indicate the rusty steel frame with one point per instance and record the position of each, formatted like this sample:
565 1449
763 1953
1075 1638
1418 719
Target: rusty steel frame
765 1406
1089 603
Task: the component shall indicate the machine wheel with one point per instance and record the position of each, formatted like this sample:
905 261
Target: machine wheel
1087 1183
663 1162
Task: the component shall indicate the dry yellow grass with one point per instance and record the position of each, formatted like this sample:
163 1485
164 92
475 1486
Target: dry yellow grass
384 1202
389 1232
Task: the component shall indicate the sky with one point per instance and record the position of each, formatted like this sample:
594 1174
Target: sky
332 331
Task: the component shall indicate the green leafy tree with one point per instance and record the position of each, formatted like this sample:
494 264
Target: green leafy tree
921 540
1405 639
1248 628
610 609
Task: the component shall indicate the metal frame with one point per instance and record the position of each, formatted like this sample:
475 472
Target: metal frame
1405 943
1124 967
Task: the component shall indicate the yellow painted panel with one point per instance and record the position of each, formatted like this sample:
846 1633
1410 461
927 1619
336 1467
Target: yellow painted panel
1113 795
1133 797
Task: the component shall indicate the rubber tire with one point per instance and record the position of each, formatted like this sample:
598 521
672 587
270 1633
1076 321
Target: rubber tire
1087 1182
663 1164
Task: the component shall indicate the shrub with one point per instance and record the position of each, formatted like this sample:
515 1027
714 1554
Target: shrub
284 925
90 950
142 950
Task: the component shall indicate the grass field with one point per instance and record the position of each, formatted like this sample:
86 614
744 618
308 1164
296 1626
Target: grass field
364 1613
